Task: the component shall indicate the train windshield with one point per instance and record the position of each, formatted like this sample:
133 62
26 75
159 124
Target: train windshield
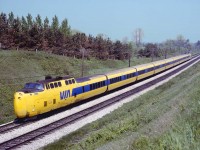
34 86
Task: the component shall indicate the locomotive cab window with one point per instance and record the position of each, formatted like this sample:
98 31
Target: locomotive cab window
34 86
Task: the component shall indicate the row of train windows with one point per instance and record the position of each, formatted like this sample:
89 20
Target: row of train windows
97 85
53 85
114 80
67 82
130 75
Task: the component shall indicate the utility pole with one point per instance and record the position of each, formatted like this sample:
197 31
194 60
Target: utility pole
82 50
165 53
152 55
129 58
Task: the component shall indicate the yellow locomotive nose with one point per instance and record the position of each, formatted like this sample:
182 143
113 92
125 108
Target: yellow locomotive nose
19 105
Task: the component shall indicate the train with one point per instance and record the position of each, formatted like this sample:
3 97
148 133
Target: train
52 93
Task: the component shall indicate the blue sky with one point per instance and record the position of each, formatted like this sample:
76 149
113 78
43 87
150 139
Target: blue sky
159 19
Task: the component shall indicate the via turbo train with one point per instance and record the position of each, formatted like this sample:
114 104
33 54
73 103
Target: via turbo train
53 93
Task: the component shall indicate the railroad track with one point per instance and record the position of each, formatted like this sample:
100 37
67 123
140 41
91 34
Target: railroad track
45 130
14 125
9 126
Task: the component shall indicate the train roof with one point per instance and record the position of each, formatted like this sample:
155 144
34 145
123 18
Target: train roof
118 71
88 78
50 79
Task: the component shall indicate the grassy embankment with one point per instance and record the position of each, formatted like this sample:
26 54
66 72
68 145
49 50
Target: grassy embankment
19 67
167 117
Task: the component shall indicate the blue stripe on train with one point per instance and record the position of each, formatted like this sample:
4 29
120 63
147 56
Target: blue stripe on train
77 91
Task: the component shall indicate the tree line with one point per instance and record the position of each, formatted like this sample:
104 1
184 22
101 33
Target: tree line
37 34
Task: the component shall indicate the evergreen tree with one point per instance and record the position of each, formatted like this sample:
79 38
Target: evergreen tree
17 34
4 34
24 24
11 19
55 23
39 21
46 23
29 21
65 29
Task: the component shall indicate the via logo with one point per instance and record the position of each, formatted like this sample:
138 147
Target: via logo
64 94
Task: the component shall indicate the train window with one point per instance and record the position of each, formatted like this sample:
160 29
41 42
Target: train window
59 84
93 87
99 84
96 85
104 83
70 81
51 85
73 81
90 86
55 84
66 82
47 86
83 89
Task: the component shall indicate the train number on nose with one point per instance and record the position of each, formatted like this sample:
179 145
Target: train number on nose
64 94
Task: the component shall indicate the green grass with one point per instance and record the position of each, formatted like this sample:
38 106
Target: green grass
139 124
19 67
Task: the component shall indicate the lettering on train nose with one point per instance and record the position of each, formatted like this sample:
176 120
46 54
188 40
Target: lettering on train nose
64 94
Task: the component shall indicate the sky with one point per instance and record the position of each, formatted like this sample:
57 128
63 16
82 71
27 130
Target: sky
159 19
